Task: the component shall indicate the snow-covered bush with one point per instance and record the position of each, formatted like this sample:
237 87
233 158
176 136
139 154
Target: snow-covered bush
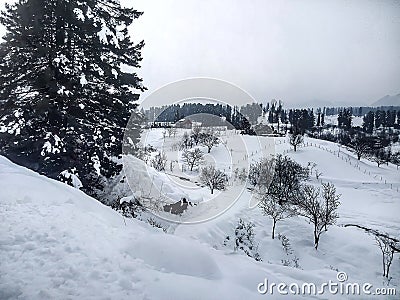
71 178
240 175
128 207
285 244
159 161
290 260
145 152
156 224
244 240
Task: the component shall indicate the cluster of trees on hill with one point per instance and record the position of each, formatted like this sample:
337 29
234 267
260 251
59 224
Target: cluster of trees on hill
64 98
240 118
302 120
381 118
280 185
376 148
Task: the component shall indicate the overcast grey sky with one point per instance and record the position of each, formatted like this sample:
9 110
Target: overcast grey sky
297 51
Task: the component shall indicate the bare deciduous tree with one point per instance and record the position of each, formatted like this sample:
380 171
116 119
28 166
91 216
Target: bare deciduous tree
209 139
331 199
261 173
387 244
311 166
378 157
295 139
271 207
171 131
213 178
262 176
195 134
192 158
287 178
387 247
395 158
360 146
318 174
320 213
186 142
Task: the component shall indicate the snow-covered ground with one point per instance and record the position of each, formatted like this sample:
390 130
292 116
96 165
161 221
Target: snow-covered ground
58 243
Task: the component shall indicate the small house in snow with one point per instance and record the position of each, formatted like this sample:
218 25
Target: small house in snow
184 123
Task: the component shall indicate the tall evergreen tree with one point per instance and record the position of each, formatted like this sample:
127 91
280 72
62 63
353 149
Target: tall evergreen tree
65 94
368 122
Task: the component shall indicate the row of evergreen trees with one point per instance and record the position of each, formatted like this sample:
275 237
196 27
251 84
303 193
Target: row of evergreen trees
239 118
64 98
381 118
301 119
355 111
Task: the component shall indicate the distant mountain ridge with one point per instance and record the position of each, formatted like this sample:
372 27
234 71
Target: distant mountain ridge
388 100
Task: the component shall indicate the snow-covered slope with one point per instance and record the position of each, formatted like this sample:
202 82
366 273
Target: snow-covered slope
58 243
366 200
369 197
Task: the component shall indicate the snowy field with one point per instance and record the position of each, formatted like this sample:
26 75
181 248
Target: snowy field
58 243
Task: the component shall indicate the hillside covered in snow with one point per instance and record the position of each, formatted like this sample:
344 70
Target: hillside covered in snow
57 243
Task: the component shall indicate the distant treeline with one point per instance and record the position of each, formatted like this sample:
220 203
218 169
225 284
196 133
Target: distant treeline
357 111
301 119
240 118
